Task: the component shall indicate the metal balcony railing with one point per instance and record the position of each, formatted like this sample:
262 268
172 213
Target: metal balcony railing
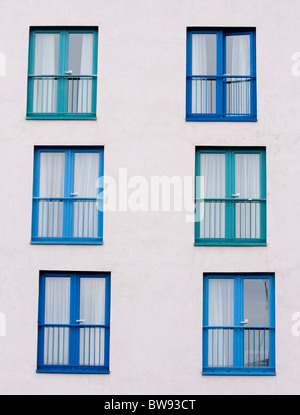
53 213
223 96
230 218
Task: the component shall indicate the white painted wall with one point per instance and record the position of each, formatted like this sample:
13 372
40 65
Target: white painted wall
157 273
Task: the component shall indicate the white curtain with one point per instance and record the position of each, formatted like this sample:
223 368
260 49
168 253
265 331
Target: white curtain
213 171
85 84
238 64
204 63
85 213
57 311
221 314
52 173
92 312
46 63
247 185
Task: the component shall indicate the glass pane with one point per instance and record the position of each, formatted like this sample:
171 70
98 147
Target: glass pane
238 55
92 312
238 88
257 311
221 314
80 62
86 174
204 63
46 62
256 302
247 186
57 311
81 53
52 173
204 54
212 169
46 59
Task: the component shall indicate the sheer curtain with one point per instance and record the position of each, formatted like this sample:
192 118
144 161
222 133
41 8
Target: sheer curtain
247 185
92 312
46 63
52 173
57 311
86 174
213 171
204 63
221 314
85 85
238 64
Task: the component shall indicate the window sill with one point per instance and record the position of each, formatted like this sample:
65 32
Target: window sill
62 117
210 242
201 118
56 241
239 372
78 371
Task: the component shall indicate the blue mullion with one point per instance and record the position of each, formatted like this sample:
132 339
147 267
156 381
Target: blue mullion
272 340
238 307
95 72
197 194
205 321
100 190
36 186
41 320
189 73
74 315
67 192
253 87
107 321
220 73
62 82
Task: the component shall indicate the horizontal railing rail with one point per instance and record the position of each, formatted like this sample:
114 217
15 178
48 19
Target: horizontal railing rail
215 216
226 95
54 212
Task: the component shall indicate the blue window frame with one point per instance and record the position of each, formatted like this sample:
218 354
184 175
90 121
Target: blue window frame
67 208
221 74
62 73
239 324
74 322
231 195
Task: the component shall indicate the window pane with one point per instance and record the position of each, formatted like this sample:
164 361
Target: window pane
213 213
86 174
92 312
247 185
238 89
238 55
256 298
46 62
57 311
221 315
52 172
257 311
204 62
80 62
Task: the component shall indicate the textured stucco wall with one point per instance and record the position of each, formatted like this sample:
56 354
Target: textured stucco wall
157 273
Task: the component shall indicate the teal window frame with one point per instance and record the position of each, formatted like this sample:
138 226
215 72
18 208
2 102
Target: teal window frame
62 76
239 368
230 218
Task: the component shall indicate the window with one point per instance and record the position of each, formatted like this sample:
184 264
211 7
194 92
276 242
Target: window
66 209
62 77
230 196
221 75
74 322
239 324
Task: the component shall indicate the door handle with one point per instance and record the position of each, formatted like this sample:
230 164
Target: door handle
68 72
75 194
236 195
80 321
245 322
